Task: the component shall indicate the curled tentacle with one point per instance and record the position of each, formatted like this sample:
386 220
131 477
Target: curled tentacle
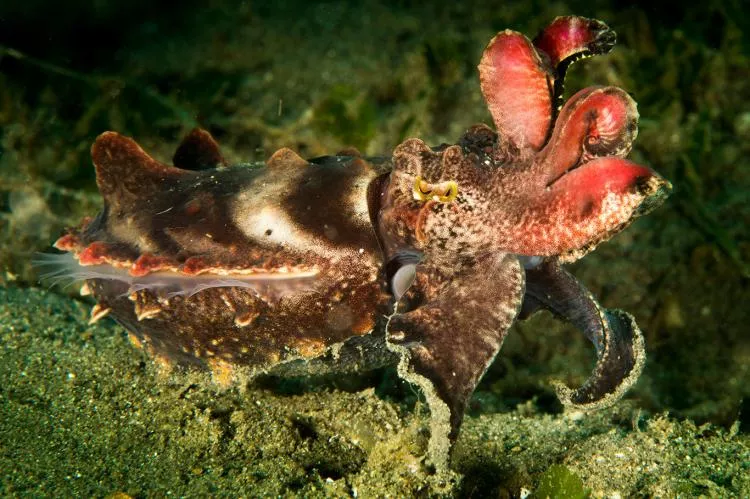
618 341
595 122
569 39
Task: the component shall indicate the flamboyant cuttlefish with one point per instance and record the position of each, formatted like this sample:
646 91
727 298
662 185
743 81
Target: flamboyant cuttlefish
422 259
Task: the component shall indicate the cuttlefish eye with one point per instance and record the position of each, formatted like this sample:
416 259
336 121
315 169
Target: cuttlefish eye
444 192
422 187
402 280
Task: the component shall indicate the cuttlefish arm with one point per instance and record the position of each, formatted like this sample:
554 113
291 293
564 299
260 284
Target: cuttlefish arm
614 333
447 343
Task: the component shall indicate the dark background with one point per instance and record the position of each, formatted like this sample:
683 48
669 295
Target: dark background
321 76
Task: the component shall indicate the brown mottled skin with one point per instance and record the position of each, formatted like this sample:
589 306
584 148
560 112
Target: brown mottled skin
198 215
474 233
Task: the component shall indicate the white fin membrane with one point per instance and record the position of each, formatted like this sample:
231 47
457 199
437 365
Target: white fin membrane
65 269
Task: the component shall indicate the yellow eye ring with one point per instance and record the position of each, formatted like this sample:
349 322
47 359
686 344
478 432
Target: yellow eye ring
444 192
448 191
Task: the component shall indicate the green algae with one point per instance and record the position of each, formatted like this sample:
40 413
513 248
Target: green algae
558 482
347 115
84 413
